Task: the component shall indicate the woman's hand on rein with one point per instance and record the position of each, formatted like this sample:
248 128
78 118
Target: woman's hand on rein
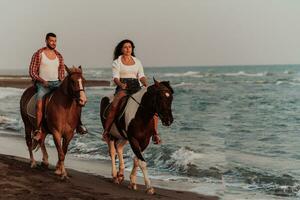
124 86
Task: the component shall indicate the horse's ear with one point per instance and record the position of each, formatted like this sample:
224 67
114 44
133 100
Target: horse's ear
67 69
156 83
80 68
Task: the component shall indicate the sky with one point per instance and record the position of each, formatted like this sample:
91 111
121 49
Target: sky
165 32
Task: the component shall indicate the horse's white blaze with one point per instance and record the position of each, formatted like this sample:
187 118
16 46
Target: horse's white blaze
80 84
82 93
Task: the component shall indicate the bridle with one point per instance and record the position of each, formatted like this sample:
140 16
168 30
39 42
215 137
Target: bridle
156 111
76 93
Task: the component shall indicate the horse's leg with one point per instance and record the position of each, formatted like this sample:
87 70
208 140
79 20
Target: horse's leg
112 152
66 142
135 146
28 131
132 184
143 166
120 147
45 161
57 141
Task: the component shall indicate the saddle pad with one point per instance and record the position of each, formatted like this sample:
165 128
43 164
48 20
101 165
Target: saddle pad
133 105
129 112
31 106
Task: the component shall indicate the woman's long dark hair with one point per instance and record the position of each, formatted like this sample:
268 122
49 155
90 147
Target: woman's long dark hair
118 49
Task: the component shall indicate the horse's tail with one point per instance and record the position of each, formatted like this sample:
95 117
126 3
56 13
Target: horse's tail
136 148
103 104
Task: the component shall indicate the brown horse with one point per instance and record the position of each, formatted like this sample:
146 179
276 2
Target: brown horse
135 124
61 116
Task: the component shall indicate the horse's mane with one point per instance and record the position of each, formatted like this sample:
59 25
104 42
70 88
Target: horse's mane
162 84
71 70
75 70
167 85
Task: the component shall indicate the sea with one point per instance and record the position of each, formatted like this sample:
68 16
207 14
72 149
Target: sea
236 129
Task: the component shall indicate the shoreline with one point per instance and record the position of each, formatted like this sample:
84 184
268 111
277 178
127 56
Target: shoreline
24 82
95 173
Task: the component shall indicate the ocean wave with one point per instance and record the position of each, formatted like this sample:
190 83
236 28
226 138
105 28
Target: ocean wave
270 183
184 157
8 91
185 74
183 162
95 73
7 123
194 74
288 72
242 73
91 157
182 84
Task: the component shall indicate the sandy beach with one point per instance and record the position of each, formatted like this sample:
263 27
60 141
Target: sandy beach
88 180
18 181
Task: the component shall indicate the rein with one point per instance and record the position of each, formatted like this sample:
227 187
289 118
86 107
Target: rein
155 113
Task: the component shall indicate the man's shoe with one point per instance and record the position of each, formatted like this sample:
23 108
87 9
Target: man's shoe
81 129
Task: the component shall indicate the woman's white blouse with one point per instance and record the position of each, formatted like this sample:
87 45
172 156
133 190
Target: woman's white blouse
127 71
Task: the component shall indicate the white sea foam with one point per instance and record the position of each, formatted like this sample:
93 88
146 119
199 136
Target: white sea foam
185 74
184 157
242 73
94 73
91 157
6 120
182 84
288 72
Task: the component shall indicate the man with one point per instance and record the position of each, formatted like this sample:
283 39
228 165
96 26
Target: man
47 70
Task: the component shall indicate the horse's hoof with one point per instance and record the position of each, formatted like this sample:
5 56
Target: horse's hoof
45 165
150 191
132 186
115 180
120 178
33 164
58 172
64 178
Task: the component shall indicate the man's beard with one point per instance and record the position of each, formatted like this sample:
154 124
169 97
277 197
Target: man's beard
51 48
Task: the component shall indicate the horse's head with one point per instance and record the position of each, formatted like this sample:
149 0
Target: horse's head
75 84
163 97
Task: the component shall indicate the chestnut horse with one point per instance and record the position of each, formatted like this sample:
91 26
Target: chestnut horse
135 124
61 116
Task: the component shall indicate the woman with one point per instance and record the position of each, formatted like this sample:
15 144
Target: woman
127 72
